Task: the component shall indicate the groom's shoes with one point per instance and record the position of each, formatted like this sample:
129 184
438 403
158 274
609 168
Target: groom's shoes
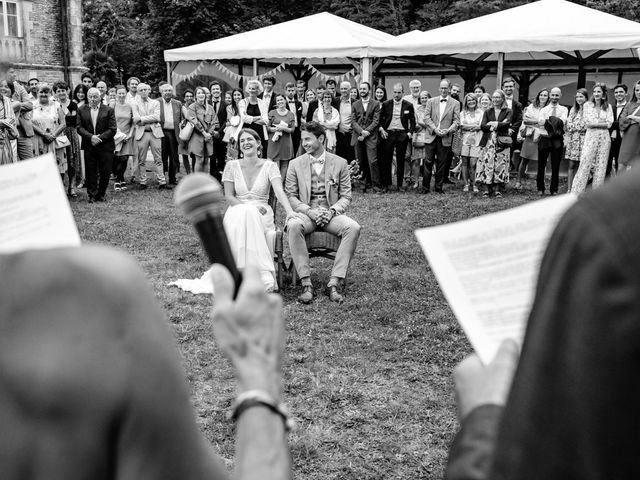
334 295
307 294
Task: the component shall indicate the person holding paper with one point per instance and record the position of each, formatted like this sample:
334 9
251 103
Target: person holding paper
281 125
572 410
92 386
96 124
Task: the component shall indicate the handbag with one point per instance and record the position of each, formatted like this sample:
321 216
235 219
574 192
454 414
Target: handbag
504 141
62 141
419 139
186 131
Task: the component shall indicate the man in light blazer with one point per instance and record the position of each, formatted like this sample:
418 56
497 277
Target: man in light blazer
365 120
146 118
442 117
96 125
170 118
397 123
318 186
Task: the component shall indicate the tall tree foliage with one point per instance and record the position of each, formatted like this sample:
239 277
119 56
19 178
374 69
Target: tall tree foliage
129 36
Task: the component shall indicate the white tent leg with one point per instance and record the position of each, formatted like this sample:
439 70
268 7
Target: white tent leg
169 72
500 71
366 72
255 67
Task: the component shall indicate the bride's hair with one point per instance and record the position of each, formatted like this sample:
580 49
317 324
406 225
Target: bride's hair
253 133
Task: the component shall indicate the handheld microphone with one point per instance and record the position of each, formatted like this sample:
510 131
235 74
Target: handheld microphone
199 197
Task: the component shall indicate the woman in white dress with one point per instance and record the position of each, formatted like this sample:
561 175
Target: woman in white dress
249 218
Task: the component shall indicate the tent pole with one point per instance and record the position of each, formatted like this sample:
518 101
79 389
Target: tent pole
169 72
500 71
255 67
366 72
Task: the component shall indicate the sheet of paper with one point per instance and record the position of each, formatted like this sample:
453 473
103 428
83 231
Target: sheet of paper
34 210
488 268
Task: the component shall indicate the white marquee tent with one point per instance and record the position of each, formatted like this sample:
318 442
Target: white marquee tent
536 31
301 38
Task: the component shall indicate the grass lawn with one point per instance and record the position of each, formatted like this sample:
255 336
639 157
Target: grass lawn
369 382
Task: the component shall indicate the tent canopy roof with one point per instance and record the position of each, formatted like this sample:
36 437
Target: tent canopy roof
301 38
546 25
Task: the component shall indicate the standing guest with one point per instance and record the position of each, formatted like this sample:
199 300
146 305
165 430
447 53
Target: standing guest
508 87
233 125
397 123
318 186
344 105
530 131
479 90
87 80
354 94
598 117
414 98
170 118
204 126
23 110
470 122
32 84
366 118
329 117
132 87
576 129
630 125
268 96
80 94
380 94
442 118
183 147
96 124
332 87
551 121
485 102
620 94
313 105
219 146
254 112
310 96
70 111
492 169
301 89
8 125
418 141
207 94
148 135
102 86
296 107
49 123
111 96
415 87
125 148
281 126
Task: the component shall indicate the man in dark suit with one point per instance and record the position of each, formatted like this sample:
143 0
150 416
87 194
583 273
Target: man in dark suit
313 104
170 118
295 106
344 105
268 96
508 86
365 121
218 159
397 123
620 94
96 124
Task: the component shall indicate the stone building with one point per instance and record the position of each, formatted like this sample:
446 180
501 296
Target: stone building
42 38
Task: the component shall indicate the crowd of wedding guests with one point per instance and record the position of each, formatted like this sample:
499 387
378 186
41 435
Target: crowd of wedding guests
484 140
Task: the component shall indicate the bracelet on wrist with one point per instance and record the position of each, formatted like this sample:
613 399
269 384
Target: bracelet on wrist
259 398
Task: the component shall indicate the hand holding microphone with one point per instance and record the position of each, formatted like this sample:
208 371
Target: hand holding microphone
199 197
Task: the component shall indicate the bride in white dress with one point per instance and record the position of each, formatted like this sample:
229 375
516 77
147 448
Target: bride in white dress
249 220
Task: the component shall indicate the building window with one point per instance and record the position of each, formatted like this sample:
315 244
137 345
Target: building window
9 12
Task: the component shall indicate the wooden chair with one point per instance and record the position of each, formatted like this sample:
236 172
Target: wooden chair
319 244
275 240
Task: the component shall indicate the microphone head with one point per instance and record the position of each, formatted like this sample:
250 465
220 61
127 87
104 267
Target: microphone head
198 193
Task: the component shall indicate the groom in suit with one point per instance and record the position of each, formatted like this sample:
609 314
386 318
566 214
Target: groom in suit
318 185
442 117
96 124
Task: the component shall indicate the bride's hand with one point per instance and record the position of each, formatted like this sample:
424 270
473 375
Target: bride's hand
262 210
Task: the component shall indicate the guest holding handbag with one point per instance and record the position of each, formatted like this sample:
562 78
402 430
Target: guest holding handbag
70 111
280 126
329 117
471 134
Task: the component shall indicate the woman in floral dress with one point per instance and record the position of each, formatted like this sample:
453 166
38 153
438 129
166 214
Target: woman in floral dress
575 132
